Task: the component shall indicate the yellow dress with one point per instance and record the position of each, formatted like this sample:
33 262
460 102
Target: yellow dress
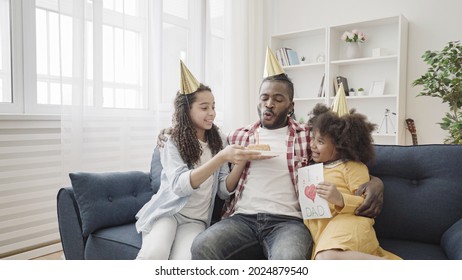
345 230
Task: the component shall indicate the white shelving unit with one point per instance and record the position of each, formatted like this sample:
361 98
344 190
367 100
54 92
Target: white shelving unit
325 55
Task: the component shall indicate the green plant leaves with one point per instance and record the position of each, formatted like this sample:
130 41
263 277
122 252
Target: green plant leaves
443 79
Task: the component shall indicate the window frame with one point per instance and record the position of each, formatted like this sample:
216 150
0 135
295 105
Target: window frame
5 48
24 66
16 43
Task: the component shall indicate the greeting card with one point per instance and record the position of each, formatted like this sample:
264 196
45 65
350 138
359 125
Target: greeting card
312 206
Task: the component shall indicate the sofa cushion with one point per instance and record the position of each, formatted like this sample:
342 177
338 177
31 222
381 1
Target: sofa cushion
411 250
115 243
423 191
452 241
109 199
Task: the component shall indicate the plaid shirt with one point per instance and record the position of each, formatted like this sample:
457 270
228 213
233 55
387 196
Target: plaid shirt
298 154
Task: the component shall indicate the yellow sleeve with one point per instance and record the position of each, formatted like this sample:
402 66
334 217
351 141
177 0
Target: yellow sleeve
355 174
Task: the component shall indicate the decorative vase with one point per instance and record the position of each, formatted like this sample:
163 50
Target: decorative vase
353 50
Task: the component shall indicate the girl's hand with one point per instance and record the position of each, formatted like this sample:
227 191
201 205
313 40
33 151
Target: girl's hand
237 155
329 192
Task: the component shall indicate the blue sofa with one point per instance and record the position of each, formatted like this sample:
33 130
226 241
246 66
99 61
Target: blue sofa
421 217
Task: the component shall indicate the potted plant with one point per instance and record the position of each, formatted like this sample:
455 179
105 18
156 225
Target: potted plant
444 80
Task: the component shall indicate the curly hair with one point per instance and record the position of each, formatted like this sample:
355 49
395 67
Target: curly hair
350 134
184 133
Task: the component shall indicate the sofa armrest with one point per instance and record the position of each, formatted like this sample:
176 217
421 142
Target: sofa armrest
70 225
451 242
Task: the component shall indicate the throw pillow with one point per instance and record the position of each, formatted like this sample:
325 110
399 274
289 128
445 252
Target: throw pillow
109 199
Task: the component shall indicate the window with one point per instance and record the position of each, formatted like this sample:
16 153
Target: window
54 56
124 32
118 75
108 67
5 53
183 37
106 54
177 8
175 34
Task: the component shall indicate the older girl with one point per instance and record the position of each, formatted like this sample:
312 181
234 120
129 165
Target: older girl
195 169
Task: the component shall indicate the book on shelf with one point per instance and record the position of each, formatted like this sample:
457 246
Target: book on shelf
293 57
322 92
337 81
287 56
279 57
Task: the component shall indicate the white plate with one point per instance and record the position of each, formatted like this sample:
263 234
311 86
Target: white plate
269 153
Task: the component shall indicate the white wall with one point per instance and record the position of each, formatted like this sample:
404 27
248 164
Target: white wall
432 24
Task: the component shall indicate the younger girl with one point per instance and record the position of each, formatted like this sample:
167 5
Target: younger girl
343 144
194 170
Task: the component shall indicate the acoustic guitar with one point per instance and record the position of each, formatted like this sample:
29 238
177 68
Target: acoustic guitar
412 130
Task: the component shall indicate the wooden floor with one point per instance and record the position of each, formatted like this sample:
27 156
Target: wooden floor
55 256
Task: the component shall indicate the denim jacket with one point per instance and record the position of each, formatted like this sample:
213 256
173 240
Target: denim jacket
175 189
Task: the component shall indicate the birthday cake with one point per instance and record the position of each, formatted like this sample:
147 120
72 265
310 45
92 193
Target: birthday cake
259 147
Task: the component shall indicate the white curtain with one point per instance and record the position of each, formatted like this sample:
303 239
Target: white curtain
111 109
114 139
245 48
110 125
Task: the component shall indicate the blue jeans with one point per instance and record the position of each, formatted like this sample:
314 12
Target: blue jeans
280 238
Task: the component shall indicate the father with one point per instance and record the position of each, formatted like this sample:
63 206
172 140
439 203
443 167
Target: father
264 211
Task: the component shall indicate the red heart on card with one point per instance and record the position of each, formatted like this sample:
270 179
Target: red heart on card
310 191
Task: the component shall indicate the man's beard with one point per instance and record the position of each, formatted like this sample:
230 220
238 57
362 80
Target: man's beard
279 120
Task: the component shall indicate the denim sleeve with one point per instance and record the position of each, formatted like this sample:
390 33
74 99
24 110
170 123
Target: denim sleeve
223 174
176 171
222 190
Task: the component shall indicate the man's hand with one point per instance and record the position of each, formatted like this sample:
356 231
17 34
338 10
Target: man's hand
373 192
161 138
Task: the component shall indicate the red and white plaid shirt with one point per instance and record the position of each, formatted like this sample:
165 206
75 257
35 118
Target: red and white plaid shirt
298 154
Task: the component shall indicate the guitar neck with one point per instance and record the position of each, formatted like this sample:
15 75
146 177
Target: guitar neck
412 130
414 139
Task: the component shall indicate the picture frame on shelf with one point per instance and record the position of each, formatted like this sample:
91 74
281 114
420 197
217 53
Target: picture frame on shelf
341 80
377 88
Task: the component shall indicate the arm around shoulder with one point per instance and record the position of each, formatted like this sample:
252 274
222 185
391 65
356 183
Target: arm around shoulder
373 191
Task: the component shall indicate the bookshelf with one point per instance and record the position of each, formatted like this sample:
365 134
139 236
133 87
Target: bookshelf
325 56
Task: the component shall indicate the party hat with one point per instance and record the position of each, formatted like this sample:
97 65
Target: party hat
340 105
272 65
188 83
